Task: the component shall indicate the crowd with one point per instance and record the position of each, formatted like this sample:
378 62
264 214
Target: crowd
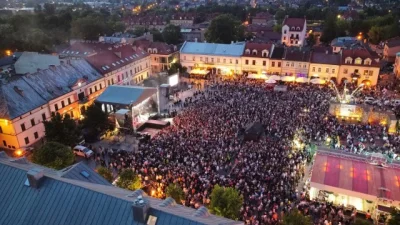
202 148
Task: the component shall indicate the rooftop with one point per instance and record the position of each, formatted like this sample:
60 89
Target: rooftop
162 48
325 58
235 49
297 54
115 58
84 48
360 53
125 95
259 47
358 177
60 200
393 42
294 22
30 62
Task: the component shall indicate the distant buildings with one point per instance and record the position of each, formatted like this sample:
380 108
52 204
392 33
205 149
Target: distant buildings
396 66
263 18
294 31
343 43
391 48
182 19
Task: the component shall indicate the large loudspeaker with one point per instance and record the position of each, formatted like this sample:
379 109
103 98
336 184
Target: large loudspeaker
167 92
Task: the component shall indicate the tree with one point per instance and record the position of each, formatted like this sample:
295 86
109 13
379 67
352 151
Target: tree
175 191
224 29
106 173
172 34
376 34
395 217
278 28
296 218
329 31
139 31
49 9
95 121
88 28
129 180
226 202
311 40
61 129
157 36
175 68
53 155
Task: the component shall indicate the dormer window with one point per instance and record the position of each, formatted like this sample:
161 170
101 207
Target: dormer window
149 50
358 61
367 61
297 28
254 52
154 50
292 28
247 51
265 53
348 60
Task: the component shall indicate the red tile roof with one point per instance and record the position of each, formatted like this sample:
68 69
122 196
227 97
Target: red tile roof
85 48
118 57
259 47
162 48
294 22
359 53
325 58
295 54
393 42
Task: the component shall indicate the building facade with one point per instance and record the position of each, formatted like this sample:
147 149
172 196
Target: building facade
396 66
294 31
182 19
391 48
324 65
296 62
255 58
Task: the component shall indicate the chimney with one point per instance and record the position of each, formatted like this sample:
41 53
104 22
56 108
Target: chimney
140 207
118 54
35 177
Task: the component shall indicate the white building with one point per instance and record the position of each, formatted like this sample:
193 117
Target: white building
217 58
294 31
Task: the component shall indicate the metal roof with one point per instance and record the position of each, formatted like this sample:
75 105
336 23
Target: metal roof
64 201
30 62
234 49
75 171
125 95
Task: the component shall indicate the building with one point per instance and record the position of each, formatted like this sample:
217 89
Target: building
255 58
162 55
275 61
294 31
396 66
262 18
360 66
324 65
343 43
182 19
146 21
355 181
296 62
217 58
29 100
263 33
391 48
82 49
193 34
30 62
123 64
77 195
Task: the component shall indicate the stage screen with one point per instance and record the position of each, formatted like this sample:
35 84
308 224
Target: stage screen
173 80
347 110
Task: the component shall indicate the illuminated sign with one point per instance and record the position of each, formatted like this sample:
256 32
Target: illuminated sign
173 80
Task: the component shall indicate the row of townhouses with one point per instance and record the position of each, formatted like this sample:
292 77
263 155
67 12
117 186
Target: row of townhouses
69 82
357 65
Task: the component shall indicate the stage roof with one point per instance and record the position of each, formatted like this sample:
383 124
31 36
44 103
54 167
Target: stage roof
355 177
125 95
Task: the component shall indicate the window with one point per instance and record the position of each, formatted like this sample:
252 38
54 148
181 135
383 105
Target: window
264 63
247 62
224 60
370 73
358 61
237 61
254 62
69 101
4 143
131 75
333 70
313 69
33 122
305 66
206 59
56 106
230 61
44 116
296 42
1 130
26 140
95 87
212 60
287 64
365 72
254 52
348 60
284 38
184 57
292 65
36 135
284 31
279 64
201 58
345 71
327 70
217 60
102 85
273 64
62 104
319 70
194 58
23 127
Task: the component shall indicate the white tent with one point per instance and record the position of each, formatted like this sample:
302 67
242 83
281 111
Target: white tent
270 81
257 76
275 77
301 80
288 78
317 81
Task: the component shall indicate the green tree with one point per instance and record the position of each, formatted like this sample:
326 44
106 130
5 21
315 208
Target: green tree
61 129
172 34
138 31
226 202
106 173
329 31
95 121
129 180
88 28
277 28
49 9
376 34
395 217
175 191
157 36
311 40
224 29
175 68
296 218
53 155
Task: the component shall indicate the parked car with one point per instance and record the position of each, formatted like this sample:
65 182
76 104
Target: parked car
83 151
369 100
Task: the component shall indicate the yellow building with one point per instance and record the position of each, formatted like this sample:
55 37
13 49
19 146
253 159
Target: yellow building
324 65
